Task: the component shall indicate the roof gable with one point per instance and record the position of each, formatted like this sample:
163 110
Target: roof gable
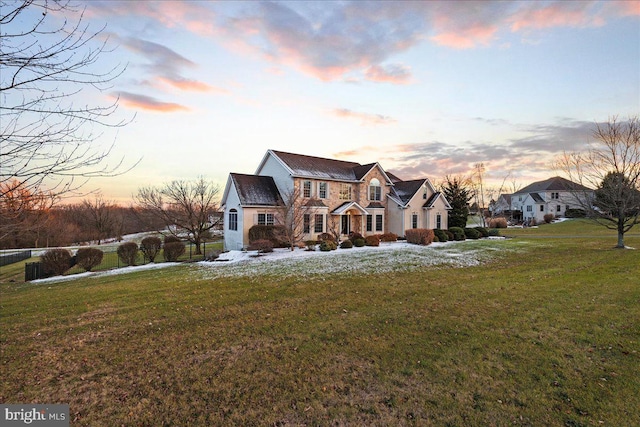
405 190
256 190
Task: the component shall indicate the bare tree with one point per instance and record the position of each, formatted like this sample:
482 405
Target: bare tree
46 135
290 216
100 215
187 208
612 167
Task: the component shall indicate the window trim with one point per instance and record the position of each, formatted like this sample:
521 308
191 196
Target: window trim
307 192
233 220
316 223
325 191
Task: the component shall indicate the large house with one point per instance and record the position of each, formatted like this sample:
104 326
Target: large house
336 197
552 196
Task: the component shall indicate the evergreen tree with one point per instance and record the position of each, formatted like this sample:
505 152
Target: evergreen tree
458 192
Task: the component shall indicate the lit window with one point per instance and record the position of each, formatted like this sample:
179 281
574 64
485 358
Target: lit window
375 191
233 220
345 191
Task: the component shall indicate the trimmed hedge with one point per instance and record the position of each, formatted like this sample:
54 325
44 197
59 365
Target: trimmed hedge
346 244
360 242
373 240
388 237
128 252
548 218
472 233
328 245
267 232
419 236
458 233
170 239
441 235
499 222
483 231
150 247
55 262
88 258
173 251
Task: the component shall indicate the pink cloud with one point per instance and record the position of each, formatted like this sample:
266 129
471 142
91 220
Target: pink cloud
397 74
137 101
365 118
468 38
565 14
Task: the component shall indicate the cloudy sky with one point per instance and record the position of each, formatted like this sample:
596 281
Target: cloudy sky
424 88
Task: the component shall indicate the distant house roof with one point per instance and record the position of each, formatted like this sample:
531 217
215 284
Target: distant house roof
506 198
536 198
556 183
321 168
256 190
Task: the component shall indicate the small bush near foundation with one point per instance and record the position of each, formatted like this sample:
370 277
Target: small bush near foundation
372 240
441 235
354 235
548 218
56 261
150 247
173 251
419 236
88 258
458 233
311 245
346 244
450 236
472 233
498 222
128 252
358 243
328 245
388 237
263 246
493 232
483 231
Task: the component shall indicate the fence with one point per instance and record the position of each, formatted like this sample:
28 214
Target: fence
110 260
14 257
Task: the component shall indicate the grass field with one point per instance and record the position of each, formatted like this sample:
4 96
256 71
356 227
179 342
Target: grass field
543 331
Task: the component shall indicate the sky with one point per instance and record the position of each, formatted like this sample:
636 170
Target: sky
425 88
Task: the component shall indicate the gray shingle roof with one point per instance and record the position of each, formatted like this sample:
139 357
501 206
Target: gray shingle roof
318 167
405 190
557 183
256 190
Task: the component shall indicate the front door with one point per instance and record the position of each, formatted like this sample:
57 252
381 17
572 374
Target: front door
346 224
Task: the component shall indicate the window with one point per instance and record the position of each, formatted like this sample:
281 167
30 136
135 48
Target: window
558 208
438 221
529 208
322 190
306 223
375 191
414 220
541 208
378 222
369 222
306 188
233 220
265 219
319 223
555 196
345 191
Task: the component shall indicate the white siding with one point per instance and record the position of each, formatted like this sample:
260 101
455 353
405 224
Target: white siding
233 240
273 167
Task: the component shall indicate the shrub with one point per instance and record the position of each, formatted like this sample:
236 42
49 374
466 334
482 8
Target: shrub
575 213
483 231
263 246
373 240
388 237
55 261
267 232
346 244
548 218
150 247
354 235
311 245
325 236
498 222
441 235
88 258
328 245
458 233
173 251
494 232
358 243
170 239
472 233
450 236
419 236
435 239
128 252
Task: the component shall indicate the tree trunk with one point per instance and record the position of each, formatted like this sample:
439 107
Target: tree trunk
620 230
196 242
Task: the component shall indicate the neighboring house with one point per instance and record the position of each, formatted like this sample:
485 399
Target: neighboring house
502 206
551 196
337 197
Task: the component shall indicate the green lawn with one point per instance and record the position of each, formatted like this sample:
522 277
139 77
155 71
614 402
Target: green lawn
543 332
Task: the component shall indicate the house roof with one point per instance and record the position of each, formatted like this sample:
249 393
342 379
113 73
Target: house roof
506 197
557 183
536 197
300 165
316 203
405 190
256 190
348 206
